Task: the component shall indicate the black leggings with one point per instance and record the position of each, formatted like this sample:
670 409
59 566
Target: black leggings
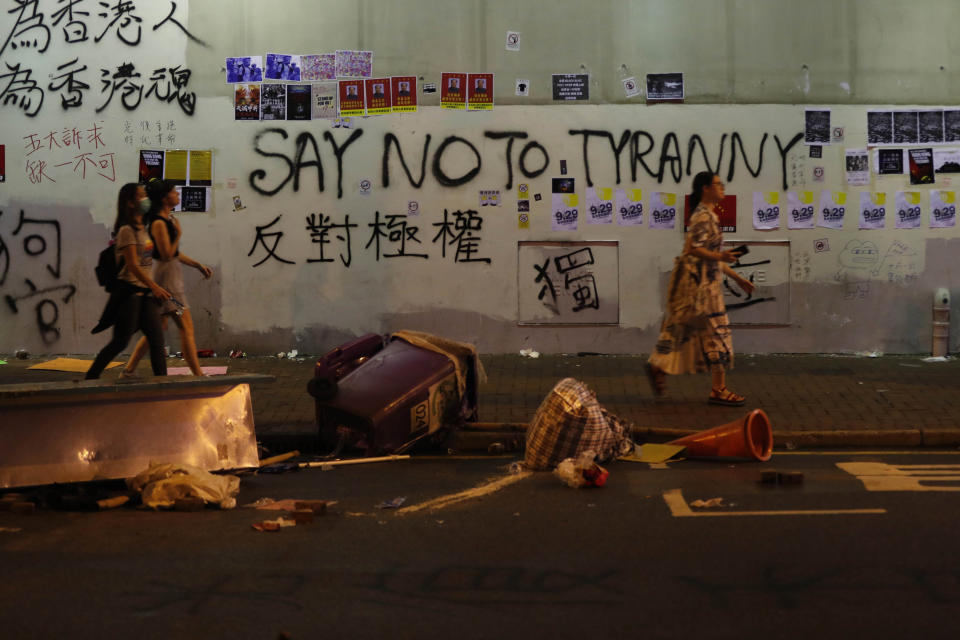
135 312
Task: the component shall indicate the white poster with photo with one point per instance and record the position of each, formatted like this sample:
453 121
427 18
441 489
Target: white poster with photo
873 210
908 209
832 210
598 205
766 210
946 160
858 167
943 208
800 209
564 212
663 210
629 207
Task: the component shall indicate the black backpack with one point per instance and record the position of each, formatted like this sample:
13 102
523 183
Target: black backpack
107 269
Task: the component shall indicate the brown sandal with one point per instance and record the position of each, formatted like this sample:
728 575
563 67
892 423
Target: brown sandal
657 378
725 397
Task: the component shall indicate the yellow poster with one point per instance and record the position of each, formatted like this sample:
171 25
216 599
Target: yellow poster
175 166
200 168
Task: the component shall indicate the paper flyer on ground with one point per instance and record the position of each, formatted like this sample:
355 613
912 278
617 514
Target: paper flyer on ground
323 100
351 98
909 209
318 67
246 102
151 165
378 97
857 167
353 64
943 208
598 205
201 168
404 90
629 207
244 69
663 210
766 210
800 209
480 91
832 210
873 210
175 166
282 66
453 94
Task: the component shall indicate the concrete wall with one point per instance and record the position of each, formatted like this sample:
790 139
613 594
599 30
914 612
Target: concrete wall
744 69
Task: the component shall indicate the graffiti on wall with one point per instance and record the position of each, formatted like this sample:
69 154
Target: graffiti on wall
289 158
568 282
76 21
30 273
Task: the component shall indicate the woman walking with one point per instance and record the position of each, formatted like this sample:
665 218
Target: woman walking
135 301
695 334
166 234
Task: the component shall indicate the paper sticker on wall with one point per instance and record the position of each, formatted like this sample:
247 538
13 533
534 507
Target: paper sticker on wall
523 221
489 197
522 87
630 87
404 90
379 96
908 209
598 205
629 206
800 209
565 212
832 210
453 90
365 187
513 41
480 91
351 98
413 208
663 210
857 166
766 210
873 210
943 208
523 191
175 166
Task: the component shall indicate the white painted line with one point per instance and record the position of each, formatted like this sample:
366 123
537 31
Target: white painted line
680 509
476 492
880 476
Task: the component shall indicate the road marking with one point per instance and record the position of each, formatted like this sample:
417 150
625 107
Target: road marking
476 492
680 509
880 476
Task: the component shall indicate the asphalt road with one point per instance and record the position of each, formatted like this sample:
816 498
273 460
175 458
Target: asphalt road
827 558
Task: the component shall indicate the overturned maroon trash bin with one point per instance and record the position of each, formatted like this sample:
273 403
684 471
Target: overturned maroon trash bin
384 396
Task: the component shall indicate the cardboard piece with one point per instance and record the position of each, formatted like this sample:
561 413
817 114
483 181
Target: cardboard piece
72 365
654 453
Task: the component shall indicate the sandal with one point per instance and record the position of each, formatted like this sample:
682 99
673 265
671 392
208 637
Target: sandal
657 378
725 397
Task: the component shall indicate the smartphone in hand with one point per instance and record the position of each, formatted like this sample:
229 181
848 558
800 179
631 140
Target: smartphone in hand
741 250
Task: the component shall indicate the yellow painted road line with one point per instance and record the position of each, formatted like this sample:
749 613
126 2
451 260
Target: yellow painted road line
880 476
469 494
680 509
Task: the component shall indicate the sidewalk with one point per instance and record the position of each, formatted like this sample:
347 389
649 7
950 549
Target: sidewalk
812 400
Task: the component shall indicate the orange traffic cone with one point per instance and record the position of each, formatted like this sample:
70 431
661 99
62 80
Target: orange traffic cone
749 437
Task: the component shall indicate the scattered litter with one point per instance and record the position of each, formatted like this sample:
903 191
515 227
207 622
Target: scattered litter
869 354
274 525
336 463
281 355
256 504
162 484
112 503
21 354
270 504
712 502
904 364
496 448
302 516
392 504
882 390
529 353
292 354
10 529
937 359
3 361
439 521
206 353
654 453
582 471
238 353
279 458
515 467
789 446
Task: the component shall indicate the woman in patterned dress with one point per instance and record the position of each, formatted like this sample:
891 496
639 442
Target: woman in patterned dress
695 334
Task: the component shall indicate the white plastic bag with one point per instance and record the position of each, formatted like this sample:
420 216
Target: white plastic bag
162 484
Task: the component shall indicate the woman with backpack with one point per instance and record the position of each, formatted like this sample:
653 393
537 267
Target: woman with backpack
135 298
165 231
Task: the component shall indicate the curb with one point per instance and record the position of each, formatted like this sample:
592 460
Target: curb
839 438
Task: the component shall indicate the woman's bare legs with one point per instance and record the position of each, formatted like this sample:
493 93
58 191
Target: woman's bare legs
187 343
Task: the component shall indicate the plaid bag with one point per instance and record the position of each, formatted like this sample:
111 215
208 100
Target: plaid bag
570 421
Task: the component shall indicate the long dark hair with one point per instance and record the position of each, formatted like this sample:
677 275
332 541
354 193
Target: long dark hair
701 180
126 206
157 190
